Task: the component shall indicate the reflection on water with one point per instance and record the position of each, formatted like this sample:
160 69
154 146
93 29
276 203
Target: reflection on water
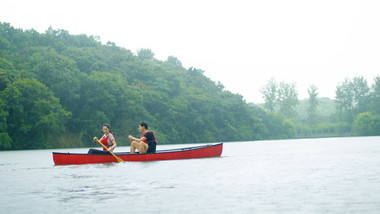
332 175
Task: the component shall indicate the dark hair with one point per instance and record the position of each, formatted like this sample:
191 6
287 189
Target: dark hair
106 125
144 124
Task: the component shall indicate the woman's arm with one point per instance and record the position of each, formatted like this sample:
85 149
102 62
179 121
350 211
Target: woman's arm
113 145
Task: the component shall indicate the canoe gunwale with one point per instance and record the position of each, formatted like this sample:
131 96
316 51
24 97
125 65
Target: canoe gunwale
204 151
157 152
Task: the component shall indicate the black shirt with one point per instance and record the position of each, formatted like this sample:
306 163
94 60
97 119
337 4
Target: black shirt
151 139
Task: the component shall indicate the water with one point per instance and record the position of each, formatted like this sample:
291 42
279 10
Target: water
332 175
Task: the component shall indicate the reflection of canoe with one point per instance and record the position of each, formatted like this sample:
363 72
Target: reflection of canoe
97 156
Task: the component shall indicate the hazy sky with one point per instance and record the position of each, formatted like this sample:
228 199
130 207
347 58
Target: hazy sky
242 44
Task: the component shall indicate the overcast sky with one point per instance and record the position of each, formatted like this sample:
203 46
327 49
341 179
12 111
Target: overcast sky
242 44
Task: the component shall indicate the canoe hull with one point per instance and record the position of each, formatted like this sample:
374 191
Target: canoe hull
205 151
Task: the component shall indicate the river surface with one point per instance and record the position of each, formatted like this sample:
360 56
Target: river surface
331 175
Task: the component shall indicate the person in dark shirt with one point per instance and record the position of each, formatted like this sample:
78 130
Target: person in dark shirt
147 141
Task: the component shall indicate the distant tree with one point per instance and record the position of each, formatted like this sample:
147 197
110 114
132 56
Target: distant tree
375 96
57 72
269 92
361 92
4 67
352 98
360 89
289 129
6 140
86 59
282 96
55 84
220 85
174 61
312 105
367 124
33 113
145 54
344 100
287 99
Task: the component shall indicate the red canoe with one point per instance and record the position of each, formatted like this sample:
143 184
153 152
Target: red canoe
97 156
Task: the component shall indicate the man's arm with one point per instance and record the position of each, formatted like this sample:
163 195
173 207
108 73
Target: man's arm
137 139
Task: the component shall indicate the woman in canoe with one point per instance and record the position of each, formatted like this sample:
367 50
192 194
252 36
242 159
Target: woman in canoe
108 139
147 141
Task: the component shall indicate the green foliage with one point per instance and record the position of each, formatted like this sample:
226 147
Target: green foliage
174 61
289 128
320 117
145 54
367 124
58 89
33 113
5 140
352 98
287 99
282 97
312 105
269 92
324 110
275 126
375 97
57 72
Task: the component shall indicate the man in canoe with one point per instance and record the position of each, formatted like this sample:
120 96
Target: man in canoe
147 141
108 139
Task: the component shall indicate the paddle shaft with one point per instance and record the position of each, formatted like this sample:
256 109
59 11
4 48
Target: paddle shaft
117 158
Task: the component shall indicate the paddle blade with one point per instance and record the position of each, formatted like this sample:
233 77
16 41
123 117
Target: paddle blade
119 159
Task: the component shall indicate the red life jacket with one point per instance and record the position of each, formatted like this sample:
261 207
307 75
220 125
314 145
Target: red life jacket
145 141
104 141
155 137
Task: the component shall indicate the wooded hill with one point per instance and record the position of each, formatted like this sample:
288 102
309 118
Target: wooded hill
57 89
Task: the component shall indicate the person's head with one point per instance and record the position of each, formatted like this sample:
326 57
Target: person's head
106 128
143 126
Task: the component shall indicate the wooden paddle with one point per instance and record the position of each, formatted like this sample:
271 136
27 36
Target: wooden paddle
117 158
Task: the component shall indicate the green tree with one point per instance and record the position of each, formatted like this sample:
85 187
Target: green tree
367 124
352 98
86 59
361 92
145 54
4 66
287 99
58 73
375 96
44 77
269 92
174 61
105 98
344 100
6 141
33 114
312 105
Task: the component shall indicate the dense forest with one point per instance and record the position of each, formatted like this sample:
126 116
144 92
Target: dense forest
57 89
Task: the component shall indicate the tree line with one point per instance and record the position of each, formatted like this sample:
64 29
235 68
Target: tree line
355 111
57 89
